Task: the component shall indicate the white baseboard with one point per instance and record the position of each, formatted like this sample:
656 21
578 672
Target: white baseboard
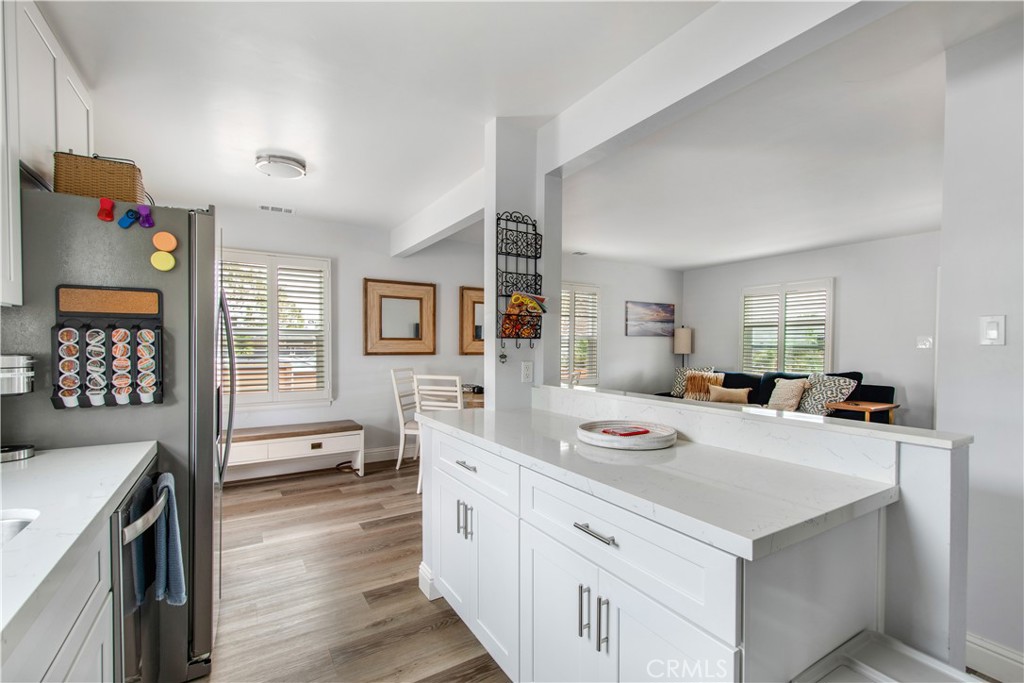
994 660
427 583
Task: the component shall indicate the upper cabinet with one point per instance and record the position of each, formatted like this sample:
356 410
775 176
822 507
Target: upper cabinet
46 109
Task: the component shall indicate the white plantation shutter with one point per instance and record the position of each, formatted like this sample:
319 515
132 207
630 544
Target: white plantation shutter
805 329
760 331
579 340
245 285
788 327
279 309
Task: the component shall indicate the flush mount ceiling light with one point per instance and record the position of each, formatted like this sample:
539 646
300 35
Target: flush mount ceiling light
280 167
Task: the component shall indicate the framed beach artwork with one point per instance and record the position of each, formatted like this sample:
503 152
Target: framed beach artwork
645 319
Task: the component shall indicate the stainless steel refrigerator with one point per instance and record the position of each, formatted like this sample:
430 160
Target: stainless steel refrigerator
64 243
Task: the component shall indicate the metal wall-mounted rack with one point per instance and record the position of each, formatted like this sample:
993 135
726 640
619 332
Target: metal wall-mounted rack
518 250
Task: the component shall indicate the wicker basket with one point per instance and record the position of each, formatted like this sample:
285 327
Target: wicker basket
97 177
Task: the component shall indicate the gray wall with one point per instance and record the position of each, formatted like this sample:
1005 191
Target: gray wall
884 300
641 364
979 388
362 384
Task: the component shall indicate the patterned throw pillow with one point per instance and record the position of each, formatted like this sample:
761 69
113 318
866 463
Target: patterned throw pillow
720 395
825 389
787 393
698 383
679 386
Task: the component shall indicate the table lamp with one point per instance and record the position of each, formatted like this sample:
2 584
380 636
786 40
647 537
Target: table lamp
682 342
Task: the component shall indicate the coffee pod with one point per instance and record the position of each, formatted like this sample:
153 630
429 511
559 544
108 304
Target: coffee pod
68 350
147 364
120 350
69 381
69 397
95 351
120 335
121 364
68 366
68 335
94 381
96 396
96 366
121 379
147 379
145 336
95 336
121 395
146 394
146 350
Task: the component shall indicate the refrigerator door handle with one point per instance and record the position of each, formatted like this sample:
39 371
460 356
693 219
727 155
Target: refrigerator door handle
233 373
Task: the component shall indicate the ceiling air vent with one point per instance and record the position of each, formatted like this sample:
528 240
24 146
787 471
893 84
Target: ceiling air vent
277 209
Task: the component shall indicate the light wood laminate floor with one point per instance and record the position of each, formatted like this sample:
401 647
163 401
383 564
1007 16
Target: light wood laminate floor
320 584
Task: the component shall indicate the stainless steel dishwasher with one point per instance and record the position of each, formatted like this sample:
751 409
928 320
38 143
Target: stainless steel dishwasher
136 617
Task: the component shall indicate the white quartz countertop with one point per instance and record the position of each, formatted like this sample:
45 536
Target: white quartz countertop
75 490
744 504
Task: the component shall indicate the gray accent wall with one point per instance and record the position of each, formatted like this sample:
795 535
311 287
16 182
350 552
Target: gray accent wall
362 384
641 364
979 388
884 299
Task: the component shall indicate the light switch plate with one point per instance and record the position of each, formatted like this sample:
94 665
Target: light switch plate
992 330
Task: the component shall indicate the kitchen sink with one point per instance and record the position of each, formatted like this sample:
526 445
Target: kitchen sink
13 522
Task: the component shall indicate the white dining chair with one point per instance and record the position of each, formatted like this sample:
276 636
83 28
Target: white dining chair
405 402
436 392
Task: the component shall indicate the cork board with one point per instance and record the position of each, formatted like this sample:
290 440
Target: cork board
108 301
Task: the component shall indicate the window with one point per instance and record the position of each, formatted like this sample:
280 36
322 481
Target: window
579 340
788 327
279 314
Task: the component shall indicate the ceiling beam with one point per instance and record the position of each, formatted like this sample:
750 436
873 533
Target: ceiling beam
458 208
729 46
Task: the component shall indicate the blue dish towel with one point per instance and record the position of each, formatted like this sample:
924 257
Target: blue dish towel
138 505
170 571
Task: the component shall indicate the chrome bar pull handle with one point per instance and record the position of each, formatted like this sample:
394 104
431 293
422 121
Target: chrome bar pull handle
585 528
467 530
139 526
465 466
603 603
583 627
458 516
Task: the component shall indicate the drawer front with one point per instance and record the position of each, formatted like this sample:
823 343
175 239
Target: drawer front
78 598
247 452
314 445
690 578
486 473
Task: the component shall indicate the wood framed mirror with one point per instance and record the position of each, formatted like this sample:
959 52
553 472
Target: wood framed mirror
398 318
471 321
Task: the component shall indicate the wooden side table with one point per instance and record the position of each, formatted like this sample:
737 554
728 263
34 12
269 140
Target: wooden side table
866 407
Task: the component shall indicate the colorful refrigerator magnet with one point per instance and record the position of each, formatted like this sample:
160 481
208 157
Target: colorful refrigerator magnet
165 241
161 260
145 216
129 218
106 212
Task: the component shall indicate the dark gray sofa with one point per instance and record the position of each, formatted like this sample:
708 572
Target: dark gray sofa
761 387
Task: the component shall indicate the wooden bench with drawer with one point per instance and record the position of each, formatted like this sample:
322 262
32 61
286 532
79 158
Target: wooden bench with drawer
293 444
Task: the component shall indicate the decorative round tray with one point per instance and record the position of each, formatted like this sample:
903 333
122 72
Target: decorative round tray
627 436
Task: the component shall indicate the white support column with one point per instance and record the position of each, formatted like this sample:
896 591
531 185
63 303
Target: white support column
509 185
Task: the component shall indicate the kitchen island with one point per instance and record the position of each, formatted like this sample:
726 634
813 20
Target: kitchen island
730 555
72 493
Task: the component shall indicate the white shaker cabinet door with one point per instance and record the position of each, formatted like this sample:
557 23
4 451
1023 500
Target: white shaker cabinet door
557 619
495 534
643 641
38 59
454 553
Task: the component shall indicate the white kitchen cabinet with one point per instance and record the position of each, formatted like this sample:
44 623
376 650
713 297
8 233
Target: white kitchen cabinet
72 639
476 544
54 107
10 195
581 623
46 108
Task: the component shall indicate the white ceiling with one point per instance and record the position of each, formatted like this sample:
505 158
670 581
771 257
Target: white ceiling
385 101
